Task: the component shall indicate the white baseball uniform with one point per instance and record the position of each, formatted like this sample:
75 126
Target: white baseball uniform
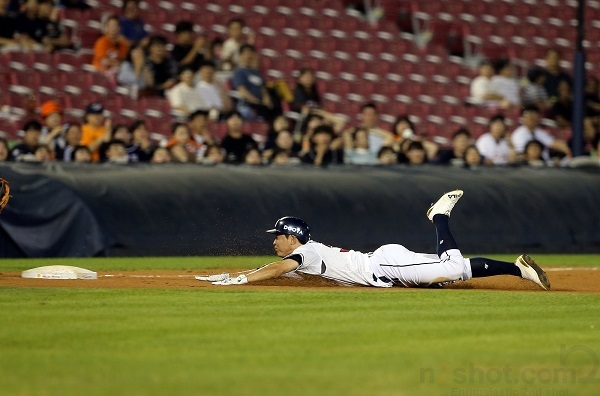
387 266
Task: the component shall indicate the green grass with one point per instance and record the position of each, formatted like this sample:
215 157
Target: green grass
241 341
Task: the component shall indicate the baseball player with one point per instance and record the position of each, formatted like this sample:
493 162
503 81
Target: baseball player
389 265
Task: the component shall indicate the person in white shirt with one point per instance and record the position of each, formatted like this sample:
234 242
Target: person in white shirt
482 91
530 130
493 145
231 46
505 82
213 94
184 97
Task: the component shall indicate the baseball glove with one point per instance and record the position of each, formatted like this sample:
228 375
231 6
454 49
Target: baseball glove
4 193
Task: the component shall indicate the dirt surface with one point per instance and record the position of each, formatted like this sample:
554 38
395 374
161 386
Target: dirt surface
584 280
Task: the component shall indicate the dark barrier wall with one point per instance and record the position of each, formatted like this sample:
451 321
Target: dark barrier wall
70 210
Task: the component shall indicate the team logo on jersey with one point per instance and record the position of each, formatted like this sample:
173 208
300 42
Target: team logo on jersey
297 230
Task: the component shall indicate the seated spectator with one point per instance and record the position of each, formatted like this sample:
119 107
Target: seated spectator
214 95
111 49
280 157
116 152
554 74
163 68
236 143
280 123
306 93
51 114
253 157
591 96
387 156
5 154
134 72
284 143
188 50
82 154
356 147
8 28
66 145
184 97
132 25
214 155
161 155
322 151
483 91
533 154
54 35
369 120
25 150
118 132
535 93
415 154
506 83
254 99
96 129
43 153
454 155
472 157
231 50
562 109
530 130
29 31
403 130
199 127
141 148
495 148
182 146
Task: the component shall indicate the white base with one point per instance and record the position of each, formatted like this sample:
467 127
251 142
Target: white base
59 272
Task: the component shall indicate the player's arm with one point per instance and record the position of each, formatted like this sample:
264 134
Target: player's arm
269 271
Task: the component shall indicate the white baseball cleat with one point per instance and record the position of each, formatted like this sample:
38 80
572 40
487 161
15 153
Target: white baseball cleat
445 204
531 271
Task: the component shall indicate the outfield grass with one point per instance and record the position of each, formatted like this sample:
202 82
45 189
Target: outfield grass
238 341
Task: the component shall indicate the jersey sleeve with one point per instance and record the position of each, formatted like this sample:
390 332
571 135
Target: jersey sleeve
307 258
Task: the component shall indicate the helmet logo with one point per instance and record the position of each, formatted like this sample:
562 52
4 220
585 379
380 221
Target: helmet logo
297 230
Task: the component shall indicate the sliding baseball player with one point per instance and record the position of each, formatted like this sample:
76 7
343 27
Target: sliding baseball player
389 265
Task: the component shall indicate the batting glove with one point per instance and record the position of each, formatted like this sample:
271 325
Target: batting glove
240 280
213 278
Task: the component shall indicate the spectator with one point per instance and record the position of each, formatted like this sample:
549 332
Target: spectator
25 151
284 143
213 93
236 143
163 68
116 153
96 129
198 123
495 148
54 35
5 154
533 154
8 28
29 30
182 139
592 96
403 129
280 123
369 120
82 154
280 157
161 155
231 50
184 97
535 93
111 49
356 147
66 146
454 155
214 55
132 25
554 74
254 98
141 148
214 155
51 113
530 130
323 151
472 157
387 156
188 49
118 132
562 109
134 73
505 82
253 157
415 153
483 91
306 93
43 153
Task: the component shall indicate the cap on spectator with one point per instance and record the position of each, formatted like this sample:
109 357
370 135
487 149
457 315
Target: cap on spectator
94 108
49 107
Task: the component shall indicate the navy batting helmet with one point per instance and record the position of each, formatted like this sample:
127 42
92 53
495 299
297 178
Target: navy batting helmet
292 226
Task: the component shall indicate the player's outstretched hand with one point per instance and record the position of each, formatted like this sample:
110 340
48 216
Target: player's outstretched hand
238 280
213 278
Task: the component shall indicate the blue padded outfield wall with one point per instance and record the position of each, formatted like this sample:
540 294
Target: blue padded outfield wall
60 210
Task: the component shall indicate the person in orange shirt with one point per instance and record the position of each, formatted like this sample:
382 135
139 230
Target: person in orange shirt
183 147
95 130
112 48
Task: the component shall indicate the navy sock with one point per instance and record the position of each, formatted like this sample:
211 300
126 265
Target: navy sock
445 240
482 267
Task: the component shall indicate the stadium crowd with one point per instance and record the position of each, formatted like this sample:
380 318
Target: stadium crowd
216 87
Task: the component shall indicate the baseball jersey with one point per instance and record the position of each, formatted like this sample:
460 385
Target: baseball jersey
347 266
